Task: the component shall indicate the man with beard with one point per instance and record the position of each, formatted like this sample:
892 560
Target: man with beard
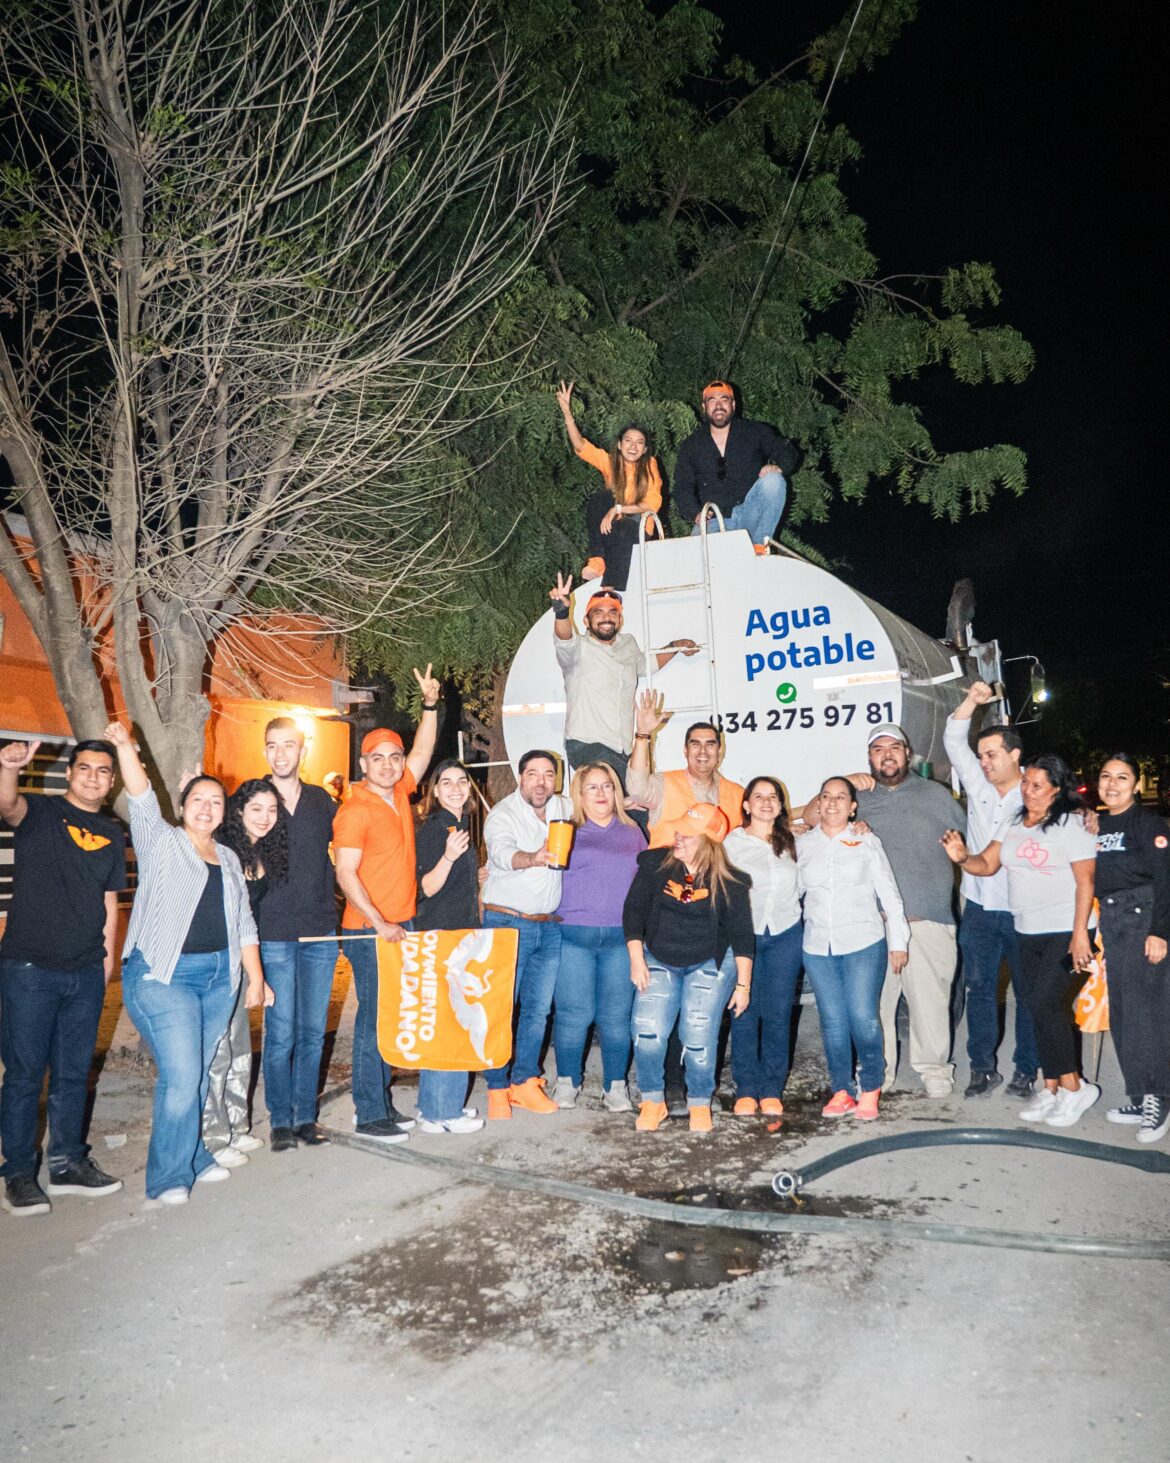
521 893
373 841
600 669
910 815
740 466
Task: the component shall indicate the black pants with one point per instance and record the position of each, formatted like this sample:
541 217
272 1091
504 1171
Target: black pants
614 547
1139 994
1050 990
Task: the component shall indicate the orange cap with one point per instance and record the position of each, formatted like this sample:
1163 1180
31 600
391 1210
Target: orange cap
703 818
379 735
718 386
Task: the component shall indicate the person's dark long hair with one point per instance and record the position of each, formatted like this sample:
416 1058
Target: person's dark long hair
616 476
1058 773
782 840
269 852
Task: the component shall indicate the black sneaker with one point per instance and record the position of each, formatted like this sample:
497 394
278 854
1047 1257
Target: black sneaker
24 1197
281 1139
401 1118
1130 1113
982 1083
310 1135
1155 1118
1021 1084
676 1105
384 1130
83 1177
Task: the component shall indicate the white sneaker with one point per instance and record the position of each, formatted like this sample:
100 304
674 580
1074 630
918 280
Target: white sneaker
617 1098
468 1123
169 1197
1038 1106
938 1086
1071 1106
230 1158
212 1175
564 1093
247 1142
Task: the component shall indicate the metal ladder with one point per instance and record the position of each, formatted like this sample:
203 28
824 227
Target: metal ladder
703 585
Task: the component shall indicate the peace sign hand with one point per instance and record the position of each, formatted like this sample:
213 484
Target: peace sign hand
565 397
561 593
428 685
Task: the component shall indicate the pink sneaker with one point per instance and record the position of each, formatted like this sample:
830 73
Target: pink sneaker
840 1105
867 1106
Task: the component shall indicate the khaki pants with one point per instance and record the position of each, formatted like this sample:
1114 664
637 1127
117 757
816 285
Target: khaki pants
926 983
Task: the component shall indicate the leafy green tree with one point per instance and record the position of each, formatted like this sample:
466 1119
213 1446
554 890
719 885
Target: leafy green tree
711 235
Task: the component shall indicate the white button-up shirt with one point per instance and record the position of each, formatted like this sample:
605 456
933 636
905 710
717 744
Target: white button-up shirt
986 810
512 826
774 894
842 878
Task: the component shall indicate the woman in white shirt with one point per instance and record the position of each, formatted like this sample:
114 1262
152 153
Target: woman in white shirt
761 1037
844 874
1050 860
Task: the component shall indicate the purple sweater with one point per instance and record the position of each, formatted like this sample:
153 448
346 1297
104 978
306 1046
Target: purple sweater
601 869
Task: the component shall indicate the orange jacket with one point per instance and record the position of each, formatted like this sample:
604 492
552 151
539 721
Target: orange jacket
597 457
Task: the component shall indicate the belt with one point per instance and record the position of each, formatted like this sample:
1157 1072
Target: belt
540 919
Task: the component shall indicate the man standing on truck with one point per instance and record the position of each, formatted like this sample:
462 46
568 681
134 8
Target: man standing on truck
741 466
910 814
990 776
668 795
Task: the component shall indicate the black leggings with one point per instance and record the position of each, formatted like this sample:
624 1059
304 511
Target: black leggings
614 547
1050 989
1139 994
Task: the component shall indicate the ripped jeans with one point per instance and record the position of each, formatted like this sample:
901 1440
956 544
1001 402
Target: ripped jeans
696 995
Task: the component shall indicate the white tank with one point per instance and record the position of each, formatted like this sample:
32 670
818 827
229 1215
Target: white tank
797 666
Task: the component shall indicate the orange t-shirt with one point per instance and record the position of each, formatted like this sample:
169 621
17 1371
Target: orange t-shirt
385 834
598 458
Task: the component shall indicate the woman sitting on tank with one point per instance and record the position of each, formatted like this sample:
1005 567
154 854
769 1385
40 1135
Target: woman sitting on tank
765 849
633 486
686 907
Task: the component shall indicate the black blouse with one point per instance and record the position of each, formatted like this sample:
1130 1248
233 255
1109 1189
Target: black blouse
456 905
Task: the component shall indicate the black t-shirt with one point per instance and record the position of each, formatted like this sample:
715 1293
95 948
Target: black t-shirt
701 475
207 931
456 905
1133 851
65 862
304 904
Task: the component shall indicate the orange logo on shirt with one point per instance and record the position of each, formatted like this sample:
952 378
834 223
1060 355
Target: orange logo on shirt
685 893
85 840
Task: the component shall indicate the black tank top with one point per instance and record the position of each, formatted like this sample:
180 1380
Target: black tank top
207 931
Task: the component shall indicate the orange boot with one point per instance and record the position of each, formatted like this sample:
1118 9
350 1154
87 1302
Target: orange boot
700 1119
867 1105
532 1097
745 1107
651 1116
771 1107
499 1105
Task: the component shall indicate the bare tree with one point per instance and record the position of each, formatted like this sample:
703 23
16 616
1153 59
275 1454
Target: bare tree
242 251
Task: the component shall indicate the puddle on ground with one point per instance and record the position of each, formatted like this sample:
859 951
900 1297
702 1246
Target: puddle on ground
672 1257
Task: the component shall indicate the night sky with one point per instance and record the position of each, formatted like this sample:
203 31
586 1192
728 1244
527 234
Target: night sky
1024 135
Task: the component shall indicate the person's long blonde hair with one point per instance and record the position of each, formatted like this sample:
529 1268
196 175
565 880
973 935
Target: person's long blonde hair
579 814
713 870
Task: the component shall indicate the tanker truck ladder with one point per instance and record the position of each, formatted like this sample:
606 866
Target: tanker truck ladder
700 589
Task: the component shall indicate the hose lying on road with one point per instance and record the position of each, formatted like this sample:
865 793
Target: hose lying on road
759 1221
788 1184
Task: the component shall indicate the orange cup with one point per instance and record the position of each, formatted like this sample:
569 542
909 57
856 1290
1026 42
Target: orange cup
560 842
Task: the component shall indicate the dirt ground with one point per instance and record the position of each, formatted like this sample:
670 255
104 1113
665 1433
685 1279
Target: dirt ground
329 1304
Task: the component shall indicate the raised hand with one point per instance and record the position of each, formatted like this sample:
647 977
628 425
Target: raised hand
428 685
458 842
955 845
16 755
649 714
118 734
980 692
562 590
565 397
189 774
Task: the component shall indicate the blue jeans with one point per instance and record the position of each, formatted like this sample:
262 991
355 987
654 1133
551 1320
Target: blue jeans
537 959
987 937
301 977
48 1019
848 989
370 1080
441 1095
593 985
696 996
182 1024
762 1036
761 510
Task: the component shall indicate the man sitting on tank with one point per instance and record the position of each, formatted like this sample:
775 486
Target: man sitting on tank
740 466
600 669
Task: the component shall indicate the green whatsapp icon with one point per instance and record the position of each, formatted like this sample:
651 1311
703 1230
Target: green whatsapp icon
785 692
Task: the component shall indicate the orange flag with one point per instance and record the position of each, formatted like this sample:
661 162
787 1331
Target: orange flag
445 999
1091 1007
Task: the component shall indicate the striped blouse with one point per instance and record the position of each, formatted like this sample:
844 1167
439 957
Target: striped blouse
171 876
